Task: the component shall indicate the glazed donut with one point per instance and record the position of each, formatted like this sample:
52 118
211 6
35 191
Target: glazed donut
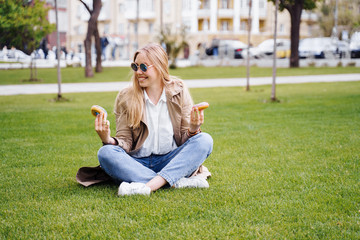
96 109
201 106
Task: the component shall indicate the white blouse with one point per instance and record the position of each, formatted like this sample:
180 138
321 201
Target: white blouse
161 134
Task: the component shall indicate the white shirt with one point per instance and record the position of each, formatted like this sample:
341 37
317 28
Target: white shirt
161 134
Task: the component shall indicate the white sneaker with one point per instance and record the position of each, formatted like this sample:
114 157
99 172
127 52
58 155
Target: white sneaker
192 182
133 188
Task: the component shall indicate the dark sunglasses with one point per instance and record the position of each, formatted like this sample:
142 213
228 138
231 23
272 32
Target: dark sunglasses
143 67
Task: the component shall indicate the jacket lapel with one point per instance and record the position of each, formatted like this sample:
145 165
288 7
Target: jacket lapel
172 99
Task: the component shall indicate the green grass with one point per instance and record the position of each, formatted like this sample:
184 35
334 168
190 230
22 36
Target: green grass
113 74
286 170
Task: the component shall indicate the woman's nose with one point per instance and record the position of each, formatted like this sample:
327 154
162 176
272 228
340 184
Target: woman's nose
139 71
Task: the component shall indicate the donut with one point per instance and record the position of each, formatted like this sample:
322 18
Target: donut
201 106
96 109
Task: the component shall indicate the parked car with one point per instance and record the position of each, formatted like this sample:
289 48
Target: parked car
266 49
355 45
13 54
343 49
317 48
227 48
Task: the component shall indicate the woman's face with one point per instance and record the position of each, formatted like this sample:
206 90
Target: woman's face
150 78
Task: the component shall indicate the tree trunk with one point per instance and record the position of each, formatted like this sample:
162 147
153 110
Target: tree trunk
273 88
31 69
248 50
295 14
87 43
98 67
92 28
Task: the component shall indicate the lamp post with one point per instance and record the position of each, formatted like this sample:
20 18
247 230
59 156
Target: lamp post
137 25
58 51
273 88
248 50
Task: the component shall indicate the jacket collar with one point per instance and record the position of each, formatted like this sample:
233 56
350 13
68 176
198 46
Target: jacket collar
173 88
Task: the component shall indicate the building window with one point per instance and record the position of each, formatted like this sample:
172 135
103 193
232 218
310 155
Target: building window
148 5
186 5
151 27
187 24
205 4
310 28
121 8
167 7
243 25
206 25
225 4
245 3
121 28
135 27
281 28
106 28
261 4
203 25
224 25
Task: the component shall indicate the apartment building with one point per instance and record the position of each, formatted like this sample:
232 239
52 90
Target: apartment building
129 24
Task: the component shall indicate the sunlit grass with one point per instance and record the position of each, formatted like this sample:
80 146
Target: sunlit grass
287 170
114 74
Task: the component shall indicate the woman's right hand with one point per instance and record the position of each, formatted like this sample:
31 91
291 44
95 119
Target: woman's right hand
102 127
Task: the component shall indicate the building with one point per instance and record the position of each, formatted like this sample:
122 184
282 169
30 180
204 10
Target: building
128 24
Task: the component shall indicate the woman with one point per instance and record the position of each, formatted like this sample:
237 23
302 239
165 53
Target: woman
158 139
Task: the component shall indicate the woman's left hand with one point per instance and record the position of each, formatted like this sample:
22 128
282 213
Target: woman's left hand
196 119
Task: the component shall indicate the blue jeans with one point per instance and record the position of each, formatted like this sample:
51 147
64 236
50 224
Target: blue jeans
181 162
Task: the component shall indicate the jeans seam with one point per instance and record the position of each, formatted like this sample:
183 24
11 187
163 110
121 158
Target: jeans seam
167 178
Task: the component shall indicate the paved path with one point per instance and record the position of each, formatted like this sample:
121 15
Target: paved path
195 83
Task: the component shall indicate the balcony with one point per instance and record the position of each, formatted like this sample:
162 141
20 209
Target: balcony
146 10
244 12
143 14
204 13
226 13
309 16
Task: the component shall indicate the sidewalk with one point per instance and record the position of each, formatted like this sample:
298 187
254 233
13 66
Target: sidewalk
6 90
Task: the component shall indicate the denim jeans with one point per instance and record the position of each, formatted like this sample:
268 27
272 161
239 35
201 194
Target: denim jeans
181 162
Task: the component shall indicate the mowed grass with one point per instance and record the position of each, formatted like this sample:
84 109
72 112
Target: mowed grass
114 74
287 170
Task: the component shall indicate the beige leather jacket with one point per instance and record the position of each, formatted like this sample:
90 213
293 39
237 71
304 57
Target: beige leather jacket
179 105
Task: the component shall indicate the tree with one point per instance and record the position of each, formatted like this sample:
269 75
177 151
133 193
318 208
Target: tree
273 87
295 8
23 24
92 31
174 43
248 49
348 19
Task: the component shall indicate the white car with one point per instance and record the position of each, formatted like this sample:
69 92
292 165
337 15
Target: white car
343 49
317 48
355 45
17 55
266 48
227 48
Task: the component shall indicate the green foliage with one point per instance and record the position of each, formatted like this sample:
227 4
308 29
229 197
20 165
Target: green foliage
285 4
286 170
23 24
348 17
174 43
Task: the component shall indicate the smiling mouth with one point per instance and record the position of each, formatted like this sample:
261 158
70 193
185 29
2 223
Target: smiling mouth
142 78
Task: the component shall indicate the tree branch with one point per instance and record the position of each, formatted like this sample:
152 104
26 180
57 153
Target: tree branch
86 6
285 4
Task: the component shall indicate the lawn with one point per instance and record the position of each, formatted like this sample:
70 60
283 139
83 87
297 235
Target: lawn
287 170
113 74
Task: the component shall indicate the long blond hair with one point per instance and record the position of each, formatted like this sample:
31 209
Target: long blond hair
134 97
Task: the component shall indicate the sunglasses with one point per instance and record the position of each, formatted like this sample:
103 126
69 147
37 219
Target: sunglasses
143 67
